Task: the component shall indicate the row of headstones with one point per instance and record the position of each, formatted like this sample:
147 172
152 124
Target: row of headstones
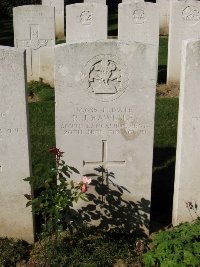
59 14
34 30
105 104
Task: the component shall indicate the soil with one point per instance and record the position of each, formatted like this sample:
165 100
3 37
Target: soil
168 90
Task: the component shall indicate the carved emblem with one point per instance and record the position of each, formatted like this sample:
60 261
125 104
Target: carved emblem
35 43
191 13
86 17
106 78
138 16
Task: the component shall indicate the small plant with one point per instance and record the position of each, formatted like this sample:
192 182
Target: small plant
13 251
56 195
176 247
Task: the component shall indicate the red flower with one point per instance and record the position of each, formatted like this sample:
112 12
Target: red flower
84 188
56 152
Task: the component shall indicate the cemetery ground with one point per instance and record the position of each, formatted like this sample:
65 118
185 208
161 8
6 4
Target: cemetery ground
177 246
89 247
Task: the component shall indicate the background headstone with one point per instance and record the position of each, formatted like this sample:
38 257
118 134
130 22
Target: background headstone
164 16
86 22
59 15
132 1
187 172
105 123
96 1
15 219
34 30
184 24
139 22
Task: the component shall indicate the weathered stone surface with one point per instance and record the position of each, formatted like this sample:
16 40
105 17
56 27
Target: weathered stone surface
96 1
184 24
188 141
164 16
15 219
34 30
139 21
86 22
132 1
101 121
59 15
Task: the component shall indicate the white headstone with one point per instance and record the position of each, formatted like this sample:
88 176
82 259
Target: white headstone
139 22
164 16
59 15
132 1
34 30
15 219
86 22
96 1
109 92
187 172
184 24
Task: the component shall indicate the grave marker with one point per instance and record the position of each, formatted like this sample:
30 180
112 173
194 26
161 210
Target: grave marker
34 30
86 22
187 171
15 220
139 21
59 15
96 1
184 24
105 123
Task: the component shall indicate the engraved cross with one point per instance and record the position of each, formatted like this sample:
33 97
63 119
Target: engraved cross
104 162
34 43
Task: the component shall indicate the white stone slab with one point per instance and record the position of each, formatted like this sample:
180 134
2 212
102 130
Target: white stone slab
132 1
59 15
15 219
184 24
164 16
187 187
34 30
96 1
105 101
138 22
86 22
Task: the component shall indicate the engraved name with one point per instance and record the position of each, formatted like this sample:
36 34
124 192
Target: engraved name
105 120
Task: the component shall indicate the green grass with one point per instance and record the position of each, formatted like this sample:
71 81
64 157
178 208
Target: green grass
166 116
42 125
162 60
163 46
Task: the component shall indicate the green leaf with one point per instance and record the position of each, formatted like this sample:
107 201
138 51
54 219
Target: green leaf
28 203
84 197
74 169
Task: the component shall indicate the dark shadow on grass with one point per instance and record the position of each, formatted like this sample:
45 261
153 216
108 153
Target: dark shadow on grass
162 187
162 74
109 208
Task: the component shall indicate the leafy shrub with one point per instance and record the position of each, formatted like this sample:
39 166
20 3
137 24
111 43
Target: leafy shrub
176 247
56 195
12 251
